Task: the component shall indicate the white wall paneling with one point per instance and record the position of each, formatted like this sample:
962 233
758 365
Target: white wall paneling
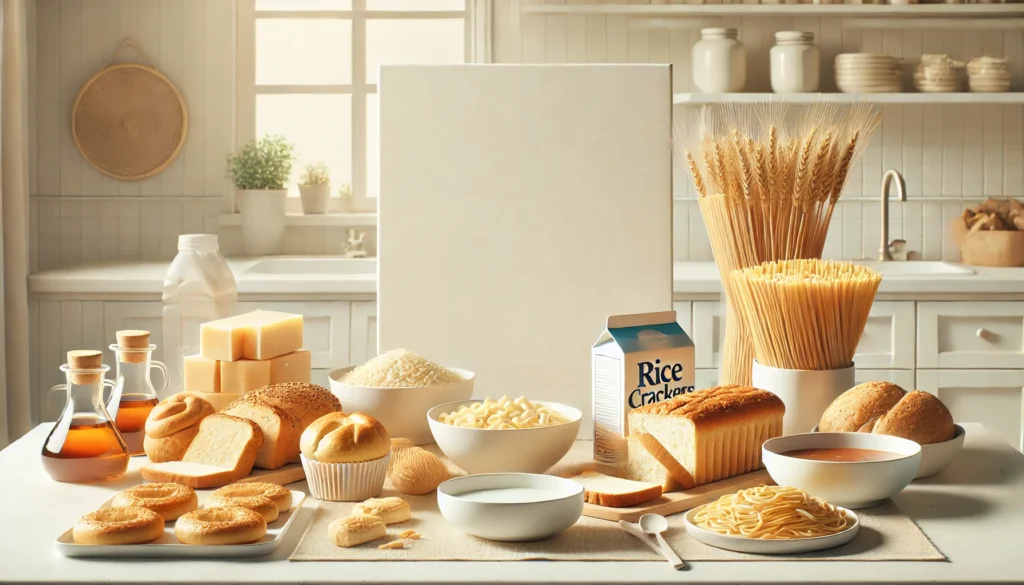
363 336
951 155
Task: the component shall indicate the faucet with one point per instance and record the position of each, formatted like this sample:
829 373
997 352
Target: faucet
901 191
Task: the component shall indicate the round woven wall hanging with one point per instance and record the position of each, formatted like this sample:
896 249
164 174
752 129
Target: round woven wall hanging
129 121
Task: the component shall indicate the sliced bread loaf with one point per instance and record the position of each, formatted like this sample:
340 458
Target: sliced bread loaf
650 462
282 412
614 492
223 452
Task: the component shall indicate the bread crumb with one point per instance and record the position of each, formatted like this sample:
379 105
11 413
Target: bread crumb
411 535
394 544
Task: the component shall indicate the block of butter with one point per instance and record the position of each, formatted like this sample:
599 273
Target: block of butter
202 374
259 335
243 375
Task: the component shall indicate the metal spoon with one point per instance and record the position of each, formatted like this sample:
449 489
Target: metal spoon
655 524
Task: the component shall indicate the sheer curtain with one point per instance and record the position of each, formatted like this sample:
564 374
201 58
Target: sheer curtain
15 391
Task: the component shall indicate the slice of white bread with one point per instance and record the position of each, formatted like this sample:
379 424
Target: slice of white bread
650 462
615 492
282 412
715 433
223 452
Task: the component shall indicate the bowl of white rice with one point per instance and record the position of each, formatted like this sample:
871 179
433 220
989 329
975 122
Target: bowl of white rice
398 388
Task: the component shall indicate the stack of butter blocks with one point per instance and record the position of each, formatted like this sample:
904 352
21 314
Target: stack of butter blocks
246 352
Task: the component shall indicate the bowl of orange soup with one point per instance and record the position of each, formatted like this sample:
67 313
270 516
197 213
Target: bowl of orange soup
852 470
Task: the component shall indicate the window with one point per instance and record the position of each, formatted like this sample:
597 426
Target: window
315 74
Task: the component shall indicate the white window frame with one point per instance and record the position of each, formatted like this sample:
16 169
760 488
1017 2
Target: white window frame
477 17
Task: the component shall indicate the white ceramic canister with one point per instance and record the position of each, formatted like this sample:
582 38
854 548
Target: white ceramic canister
795 62
805 393
719 62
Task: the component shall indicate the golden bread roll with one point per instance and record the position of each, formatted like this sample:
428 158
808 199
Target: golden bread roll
172 425
338 437
281 496
220 526
170 500
262 505
355 530
118 526
920 417
415 471
391 510
857 409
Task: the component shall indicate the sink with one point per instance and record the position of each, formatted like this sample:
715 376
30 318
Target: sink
306 266
917 268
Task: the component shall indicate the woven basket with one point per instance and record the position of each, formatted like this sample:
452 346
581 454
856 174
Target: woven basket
129 121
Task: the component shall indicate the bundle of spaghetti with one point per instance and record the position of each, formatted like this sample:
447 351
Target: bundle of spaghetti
771 513
767 187
805 314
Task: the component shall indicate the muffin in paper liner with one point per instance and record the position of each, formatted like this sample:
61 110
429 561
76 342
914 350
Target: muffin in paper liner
346 482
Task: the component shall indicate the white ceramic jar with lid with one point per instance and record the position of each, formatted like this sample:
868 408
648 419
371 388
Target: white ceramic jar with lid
795 62
719 62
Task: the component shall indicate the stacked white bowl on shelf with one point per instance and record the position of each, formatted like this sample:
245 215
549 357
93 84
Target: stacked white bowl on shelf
938 74
988 74
868 73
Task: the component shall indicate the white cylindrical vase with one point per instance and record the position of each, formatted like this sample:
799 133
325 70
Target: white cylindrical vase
262 212
719 61
805 393
314 198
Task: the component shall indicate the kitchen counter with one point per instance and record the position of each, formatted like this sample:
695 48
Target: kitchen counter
972 512
318 275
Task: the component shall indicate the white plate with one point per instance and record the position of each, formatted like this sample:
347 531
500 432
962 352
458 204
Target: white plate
168 546
770 547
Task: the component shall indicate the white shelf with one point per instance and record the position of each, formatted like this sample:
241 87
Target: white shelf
684 10
697 99
324 220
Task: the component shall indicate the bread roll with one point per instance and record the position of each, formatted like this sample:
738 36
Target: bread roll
857 409
172 425
391 510
345 438
918 416
416 472
355 530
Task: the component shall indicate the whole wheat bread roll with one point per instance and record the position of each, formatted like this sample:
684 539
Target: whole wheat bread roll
858 408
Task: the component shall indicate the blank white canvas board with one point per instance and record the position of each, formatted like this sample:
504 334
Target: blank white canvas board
520 206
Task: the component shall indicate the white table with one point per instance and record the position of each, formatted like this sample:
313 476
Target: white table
973 512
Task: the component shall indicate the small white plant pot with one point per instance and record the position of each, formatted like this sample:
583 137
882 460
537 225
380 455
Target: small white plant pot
314 198
805 393
263 214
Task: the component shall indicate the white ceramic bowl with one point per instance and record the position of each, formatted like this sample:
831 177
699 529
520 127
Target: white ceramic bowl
850 485
510 450
770 547
935 457
512 507
402 411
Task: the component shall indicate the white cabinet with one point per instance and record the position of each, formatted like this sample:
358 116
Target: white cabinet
684 316
994 398
325 328
888 339
705 379
902 378
363 335
707 334
974 335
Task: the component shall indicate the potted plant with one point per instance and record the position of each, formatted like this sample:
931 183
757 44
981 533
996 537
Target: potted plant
315 188
259 171
345 192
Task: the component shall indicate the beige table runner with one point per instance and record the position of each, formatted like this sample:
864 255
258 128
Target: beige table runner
886 534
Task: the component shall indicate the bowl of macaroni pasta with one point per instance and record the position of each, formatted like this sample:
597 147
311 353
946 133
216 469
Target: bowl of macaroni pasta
504 435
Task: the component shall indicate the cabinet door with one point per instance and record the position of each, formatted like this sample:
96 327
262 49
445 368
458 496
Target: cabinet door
363 336
705 379
708 319
902 378
684 316
325 328
888 339
994 398
970 334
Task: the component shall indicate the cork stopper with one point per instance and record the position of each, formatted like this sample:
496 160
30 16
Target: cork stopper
132 339
85 359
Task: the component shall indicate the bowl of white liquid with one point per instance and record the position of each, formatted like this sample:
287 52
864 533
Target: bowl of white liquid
511 507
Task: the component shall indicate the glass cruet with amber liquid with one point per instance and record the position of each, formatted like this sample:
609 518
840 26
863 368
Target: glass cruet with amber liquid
84 445
134 396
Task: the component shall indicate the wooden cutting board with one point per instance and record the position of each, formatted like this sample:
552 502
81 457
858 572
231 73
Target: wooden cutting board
290 473
675 502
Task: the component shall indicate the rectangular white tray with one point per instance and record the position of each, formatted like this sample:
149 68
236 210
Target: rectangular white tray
168 546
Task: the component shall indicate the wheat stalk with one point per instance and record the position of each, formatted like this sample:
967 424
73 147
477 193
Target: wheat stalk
698 181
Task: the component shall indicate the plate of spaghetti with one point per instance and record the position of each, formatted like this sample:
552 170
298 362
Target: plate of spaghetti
771 520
